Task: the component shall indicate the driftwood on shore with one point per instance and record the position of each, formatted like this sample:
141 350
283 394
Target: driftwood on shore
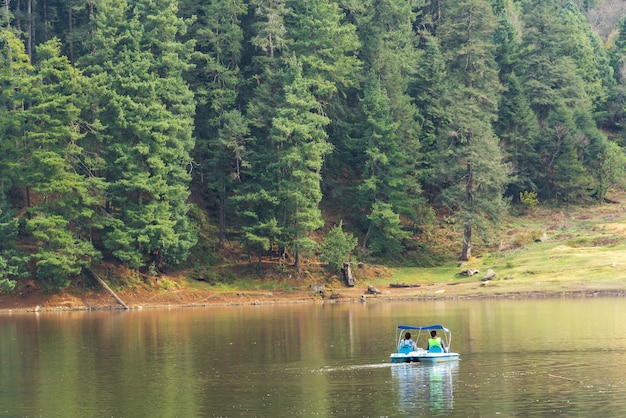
402 285
107 288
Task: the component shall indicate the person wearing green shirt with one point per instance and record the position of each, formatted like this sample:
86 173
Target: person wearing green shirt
435 341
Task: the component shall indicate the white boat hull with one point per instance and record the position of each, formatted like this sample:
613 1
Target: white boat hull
423 356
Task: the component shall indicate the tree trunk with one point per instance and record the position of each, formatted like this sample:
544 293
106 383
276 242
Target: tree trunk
107 288
29 25
6 7
221 233
347 274
298 263
367 236
466 253
71 29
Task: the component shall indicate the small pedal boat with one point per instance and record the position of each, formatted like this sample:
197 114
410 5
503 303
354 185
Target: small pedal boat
406 354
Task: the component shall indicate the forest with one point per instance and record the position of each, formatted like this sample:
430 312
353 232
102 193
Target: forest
141 132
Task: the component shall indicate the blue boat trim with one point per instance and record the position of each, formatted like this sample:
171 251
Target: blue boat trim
426 328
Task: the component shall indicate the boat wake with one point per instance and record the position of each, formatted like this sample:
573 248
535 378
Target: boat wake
327 369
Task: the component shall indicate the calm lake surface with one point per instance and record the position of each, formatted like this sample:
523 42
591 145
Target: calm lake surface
526 358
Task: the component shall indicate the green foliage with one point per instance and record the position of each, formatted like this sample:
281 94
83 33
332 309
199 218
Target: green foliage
337 247
6 285
386 233
12 262
529 198
140 62
611 171
60 256
469 165
273 112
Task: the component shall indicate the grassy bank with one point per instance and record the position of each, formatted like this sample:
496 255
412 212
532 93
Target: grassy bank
579 249
548 250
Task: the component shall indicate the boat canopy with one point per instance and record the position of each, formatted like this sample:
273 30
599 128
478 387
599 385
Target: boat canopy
426 328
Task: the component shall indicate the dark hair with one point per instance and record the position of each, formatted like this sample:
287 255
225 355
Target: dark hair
433 333
407 335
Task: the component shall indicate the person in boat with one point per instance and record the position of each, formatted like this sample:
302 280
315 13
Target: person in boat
407 342
435 341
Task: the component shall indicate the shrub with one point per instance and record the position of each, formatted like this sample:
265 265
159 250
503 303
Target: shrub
337 247
529 199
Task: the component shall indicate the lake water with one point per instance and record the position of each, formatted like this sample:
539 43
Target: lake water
526 358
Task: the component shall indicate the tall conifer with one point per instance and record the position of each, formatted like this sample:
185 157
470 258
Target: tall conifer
61 170
471 168
148 116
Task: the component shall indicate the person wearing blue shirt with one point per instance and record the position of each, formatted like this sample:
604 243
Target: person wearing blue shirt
407 344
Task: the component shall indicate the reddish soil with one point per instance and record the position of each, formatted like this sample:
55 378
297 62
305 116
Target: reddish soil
71 300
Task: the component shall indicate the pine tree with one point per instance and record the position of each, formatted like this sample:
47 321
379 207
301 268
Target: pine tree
255 196
337 247
326 45
517 129
148 114
388 135
428 90
60 171
552 76
591 58
288 119
15 75
221 130
471 171
12 261
298 131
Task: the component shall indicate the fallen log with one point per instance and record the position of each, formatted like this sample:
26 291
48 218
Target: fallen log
106 287
401 285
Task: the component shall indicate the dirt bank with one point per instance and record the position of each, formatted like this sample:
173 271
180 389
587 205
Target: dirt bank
143 298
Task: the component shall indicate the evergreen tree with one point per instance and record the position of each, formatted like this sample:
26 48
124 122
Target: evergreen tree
60 171
611 170
558 95
326 45
550 75
12 262
288 117
388 145
428 90
563 176
471 171
255 196
15 75
618 53
386 182
337 247
517 129
148 114
298 131
221 129
591 58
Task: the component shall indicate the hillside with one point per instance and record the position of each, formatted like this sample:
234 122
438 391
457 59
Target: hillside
578 250
605 16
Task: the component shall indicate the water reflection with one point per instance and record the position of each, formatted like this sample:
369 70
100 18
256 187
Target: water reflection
425 387
529 358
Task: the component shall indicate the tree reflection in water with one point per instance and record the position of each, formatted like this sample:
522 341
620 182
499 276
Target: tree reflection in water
425 388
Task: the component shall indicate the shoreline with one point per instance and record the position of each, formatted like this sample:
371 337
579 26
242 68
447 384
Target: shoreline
192 299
